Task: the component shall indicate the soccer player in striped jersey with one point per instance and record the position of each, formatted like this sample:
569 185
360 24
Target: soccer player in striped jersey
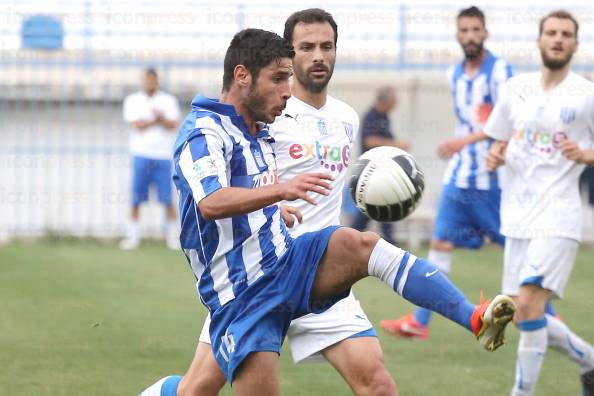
315 134
544 126
468 210
255 278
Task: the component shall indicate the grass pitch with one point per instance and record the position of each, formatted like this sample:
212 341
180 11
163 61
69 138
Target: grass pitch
83 318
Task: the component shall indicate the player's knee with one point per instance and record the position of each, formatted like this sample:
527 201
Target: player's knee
202 385
528 306
376 381
441 246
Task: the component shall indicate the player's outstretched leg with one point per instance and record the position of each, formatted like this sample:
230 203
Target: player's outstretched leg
416 324
352 255
203 378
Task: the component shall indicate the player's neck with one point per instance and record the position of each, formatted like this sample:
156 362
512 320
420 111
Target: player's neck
472 65
551 78
317 100
232 98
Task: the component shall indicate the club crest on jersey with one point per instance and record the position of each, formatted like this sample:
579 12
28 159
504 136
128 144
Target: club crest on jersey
258 158
348 130
322 128
567 114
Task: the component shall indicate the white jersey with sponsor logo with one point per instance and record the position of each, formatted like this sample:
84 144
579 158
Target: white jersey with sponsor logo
315 140
540 191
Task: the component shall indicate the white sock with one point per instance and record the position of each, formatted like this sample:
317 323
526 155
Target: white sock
133 233
172 230
531 350
384 262
441 260
568 343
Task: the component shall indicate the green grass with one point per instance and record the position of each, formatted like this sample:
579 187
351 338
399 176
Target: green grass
83 318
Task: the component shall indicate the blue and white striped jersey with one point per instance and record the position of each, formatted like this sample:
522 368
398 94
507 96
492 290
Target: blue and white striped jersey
214 149
474 98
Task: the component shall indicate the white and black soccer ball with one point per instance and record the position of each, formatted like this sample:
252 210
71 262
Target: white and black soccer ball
386 183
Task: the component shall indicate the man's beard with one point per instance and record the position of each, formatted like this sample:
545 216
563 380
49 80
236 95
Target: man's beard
255 105
554 64
311 85
473 52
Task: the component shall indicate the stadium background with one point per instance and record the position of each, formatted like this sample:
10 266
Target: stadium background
64 146
82 317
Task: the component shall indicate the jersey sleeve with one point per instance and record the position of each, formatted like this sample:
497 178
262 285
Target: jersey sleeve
499 125
502 71
202 163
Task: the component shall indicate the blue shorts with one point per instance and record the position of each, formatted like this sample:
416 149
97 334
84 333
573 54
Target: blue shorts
257 320
466 216
147 172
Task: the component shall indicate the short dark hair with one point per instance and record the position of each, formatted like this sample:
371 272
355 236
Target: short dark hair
151 71
254 49
472 12
311 15
561 14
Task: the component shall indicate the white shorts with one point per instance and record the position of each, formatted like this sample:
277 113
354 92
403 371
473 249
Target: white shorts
544 262
312 333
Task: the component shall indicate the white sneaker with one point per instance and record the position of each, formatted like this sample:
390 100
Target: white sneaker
129 244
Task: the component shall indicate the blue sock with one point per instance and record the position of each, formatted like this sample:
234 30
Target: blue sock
169 387
423 316
428 288
549 309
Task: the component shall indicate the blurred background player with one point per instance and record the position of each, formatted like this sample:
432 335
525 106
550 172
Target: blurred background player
544 126
314 134
376 131
468 209
152 116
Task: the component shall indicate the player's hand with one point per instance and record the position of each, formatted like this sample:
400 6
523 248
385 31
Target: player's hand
449 148
290 213
496 155
571 150
299 186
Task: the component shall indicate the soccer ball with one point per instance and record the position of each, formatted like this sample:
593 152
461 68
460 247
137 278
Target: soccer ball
386 183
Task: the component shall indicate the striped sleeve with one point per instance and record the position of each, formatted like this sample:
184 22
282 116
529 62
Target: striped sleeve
502 71
202 163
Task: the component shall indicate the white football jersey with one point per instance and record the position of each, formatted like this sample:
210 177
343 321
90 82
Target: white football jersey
315 140
540 197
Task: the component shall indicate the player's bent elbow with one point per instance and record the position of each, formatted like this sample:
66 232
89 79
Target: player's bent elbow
209 210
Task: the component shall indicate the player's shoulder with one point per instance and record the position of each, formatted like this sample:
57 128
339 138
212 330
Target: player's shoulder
135 96
523 79
586 87
341 109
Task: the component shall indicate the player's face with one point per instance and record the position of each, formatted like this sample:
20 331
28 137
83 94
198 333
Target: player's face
557 43
315 55
151 83
266 98
471 35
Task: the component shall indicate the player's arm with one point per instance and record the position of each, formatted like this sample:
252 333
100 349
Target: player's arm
452 146
496 155
142 124
376 141
165 122
573 152
233 201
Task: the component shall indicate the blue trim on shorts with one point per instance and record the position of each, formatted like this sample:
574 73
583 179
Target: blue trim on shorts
370 332
533 280
533 325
